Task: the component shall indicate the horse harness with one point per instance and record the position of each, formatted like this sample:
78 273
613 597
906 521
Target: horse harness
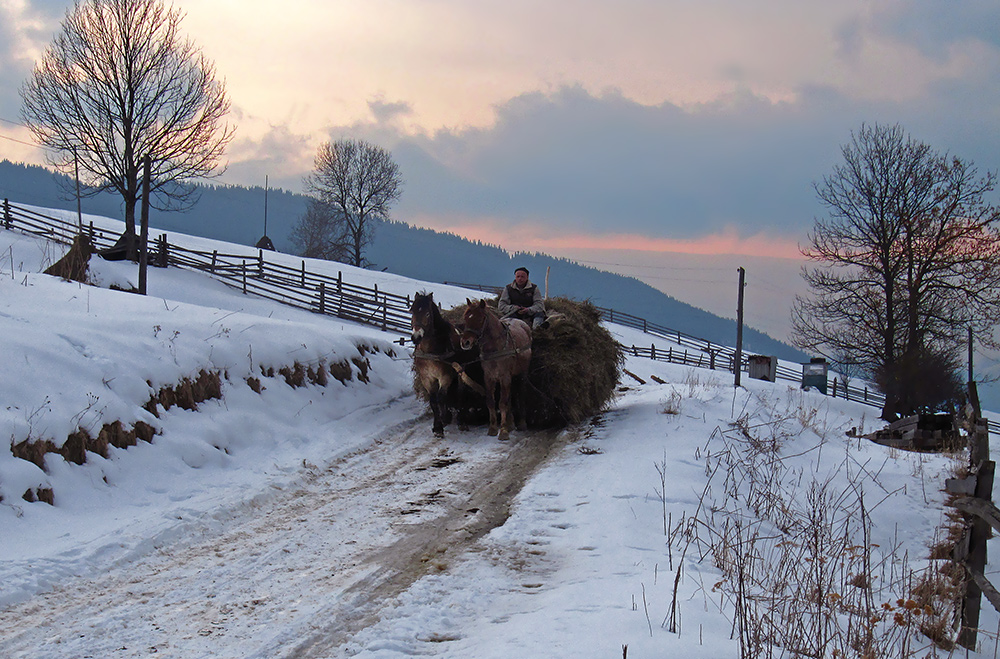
499 354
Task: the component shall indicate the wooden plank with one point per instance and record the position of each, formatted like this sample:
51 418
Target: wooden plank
989 591
981 508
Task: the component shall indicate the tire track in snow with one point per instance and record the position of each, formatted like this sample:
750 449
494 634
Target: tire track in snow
299 574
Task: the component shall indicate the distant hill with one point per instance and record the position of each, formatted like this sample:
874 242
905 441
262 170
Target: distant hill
236 214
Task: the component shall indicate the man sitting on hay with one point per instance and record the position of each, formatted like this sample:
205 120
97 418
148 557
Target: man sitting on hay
521 299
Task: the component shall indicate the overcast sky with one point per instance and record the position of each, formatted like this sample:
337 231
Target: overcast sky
669 125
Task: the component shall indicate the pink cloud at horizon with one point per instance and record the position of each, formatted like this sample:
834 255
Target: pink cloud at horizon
529 238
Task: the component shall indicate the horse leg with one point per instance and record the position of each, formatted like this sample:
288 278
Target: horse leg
504 409
435 396
462 405
520 402
447 397
491 405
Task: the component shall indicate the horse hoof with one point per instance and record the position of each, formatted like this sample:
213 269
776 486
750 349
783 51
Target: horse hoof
492 432
504 436
439 434
464 427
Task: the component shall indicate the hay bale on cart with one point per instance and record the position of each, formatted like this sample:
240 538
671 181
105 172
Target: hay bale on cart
575 366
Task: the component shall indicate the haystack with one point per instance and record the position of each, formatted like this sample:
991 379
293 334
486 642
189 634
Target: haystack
575 365
74 265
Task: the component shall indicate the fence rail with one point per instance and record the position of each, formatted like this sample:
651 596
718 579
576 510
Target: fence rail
251 272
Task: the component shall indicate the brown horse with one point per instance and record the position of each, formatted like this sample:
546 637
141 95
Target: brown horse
438 360
505 351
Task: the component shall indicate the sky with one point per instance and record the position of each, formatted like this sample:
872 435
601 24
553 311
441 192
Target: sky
652 128
328 521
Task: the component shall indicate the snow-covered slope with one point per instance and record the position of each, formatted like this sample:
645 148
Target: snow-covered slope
323 521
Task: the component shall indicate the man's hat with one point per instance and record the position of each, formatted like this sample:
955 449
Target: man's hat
522 268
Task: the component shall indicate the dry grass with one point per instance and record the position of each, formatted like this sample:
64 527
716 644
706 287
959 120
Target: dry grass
800 567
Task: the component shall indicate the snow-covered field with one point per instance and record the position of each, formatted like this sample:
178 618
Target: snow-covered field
326 521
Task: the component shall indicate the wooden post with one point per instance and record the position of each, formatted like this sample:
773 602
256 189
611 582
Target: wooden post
652 351
979 532
340 293
303 274
244 272
834 387
164 255
738 362
6 214
143 227
322 297
215 255
260 263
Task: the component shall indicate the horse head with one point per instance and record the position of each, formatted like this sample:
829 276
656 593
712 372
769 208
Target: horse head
474 320
422 316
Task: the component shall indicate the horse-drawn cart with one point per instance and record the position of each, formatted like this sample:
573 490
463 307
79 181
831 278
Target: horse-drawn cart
572 373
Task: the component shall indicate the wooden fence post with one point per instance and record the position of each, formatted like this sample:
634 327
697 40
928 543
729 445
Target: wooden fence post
834 387
322 297
652 351
260 263
243 270
6 214
303 274
164 251
979 533
340 293
215 255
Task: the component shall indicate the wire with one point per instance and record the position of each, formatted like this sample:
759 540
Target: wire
14 139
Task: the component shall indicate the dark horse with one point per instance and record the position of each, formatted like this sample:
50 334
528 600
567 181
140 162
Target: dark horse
439 361
505 351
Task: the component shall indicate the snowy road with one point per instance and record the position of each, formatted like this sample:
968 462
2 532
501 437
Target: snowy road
300 574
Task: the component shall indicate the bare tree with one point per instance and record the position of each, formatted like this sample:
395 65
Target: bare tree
909 259
315 235
355 184
120 83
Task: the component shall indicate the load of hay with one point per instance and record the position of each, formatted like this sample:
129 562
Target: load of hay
575 365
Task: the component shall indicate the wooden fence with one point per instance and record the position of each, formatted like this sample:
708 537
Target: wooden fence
689 350
252 272
980 515
249 272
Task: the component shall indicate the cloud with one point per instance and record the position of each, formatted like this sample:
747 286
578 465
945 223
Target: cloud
574 162
937 27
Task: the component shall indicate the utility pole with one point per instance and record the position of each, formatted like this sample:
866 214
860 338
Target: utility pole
738 357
